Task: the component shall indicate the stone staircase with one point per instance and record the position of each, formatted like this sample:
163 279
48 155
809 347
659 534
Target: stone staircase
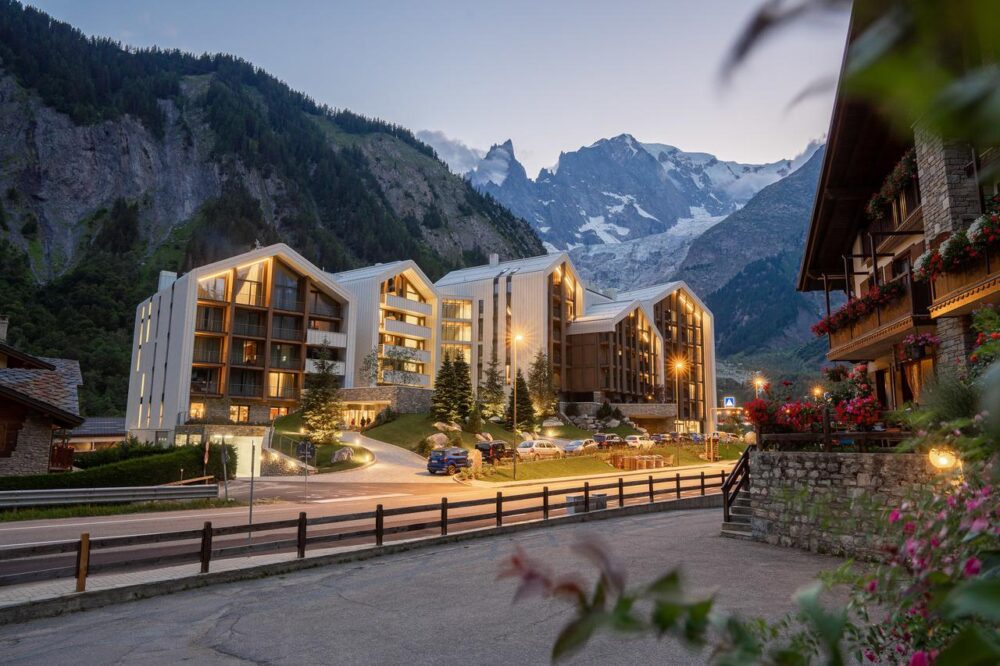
738 526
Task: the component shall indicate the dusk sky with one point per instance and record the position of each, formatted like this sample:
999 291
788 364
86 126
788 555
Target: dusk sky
551 76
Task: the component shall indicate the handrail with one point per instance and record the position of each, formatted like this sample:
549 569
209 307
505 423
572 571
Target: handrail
576 498
738 479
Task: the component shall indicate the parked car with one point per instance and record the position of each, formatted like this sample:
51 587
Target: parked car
659 438
606 441
580 445
697 437
638 442
495 451
533 449
448 460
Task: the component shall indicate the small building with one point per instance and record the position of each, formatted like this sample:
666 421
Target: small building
97 433
38 402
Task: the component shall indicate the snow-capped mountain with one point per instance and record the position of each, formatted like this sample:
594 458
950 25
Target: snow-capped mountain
618 190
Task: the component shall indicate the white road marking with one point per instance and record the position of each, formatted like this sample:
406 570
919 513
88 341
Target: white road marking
362 497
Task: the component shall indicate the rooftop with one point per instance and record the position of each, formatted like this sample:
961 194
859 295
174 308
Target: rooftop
52 391
542 262
100 426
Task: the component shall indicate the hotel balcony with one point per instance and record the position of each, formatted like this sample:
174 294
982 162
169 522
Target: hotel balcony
328 338
336 367
874 334
205 388
405 304
404 378
246 390
960 292
283 392
405 328
418 355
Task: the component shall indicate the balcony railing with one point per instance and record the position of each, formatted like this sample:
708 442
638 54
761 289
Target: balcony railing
249 329
205 388
406 378
957 292
329 338
283 392
324 310
336 367
246 390
251 361
210 326
283 333
288 363
207 356
406 328
879 329
407 305
287 302
397 351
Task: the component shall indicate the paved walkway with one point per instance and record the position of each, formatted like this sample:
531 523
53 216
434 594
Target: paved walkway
442 605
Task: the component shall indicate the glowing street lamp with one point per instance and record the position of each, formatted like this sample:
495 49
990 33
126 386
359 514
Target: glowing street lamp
517 338
943 459
758 384
680 365
817 392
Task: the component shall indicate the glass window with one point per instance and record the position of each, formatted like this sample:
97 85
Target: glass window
239 413
286 295
456 309
212 288
277 412
250 284
197 410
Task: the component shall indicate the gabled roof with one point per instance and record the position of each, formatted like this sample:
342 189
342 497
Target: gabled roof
100 426
656 293
380 272
53 392
24 359
544 263
603 317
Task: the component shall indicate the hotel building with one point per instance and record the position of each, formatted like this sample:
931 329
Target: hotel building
857 242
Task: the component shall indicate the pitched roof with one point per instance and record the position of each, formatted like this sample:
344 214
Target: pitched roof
542 262
602 317
373 271
23 358
51 391
100 426
653 293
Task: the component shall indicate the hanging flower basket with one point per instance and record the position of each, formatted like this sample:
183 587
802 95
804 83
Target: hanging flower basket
858 308
927 266
904 173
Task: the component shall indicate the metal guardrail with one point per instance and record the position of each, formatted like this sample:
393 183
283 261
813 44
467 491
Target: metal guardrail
15 499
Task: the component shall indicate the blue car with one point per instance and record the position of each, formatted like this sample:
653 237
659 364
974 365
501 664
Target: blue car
448 460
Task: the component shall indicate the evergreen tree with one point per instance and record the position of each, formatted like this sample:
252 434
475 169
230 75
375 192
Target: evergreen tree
525 410
541 384
474 423
491 393
322 409
462 386
443 402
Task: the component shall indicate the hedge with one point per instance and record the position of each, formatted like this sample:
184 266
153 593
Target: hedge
145 471
127 450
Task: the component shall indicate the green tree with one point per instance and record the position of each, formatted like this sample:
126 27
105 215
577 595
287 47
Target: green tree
541 385
462 386
491 393
525 410
443 402
474 423
322 409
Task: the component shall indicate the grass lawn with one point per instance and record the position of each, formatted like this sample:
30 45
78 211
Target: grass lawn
289 425
407 431
88 510
568 431
549 469
687 454
324 453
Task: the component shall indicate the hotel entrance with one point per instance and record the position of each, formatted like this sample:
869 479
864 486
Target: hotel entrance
361 414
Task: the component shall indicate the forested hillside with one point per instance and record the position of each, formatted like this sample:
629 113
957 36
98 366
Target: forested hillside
117 163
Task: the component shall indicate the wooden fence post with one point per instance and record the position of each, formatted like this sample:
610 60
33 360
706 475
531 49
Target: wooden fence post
651 488
702 482
206 546
82 562
677 482
586 496
621 492
444 516
499 508
301 535
545 503
379 524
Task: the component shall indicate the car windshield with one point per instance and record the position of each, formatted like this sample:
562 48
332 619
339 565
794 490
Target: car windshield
437 454
525 445
575 442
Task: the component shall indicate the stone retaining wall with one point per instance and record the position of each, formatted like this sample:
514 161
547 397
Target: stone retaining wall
402 399
830 502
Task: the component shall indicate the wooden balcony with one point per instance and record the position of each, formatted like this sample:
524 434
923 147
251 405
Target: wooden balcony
957 293
873 335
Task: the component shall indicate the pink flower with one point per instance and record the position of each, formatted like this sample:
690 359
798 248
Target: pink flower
870 656
871 586
920 658
894 516
978 525
909 528
972 566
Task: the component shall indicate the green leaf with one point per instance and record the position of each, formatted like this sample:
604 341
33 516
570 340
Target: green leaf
697 621
972 647
668 585
976 598
575 634
666 614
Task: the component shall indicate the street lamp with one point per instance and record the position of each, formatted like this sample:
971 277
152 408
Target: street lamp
758 383
679 366
817 392
517 338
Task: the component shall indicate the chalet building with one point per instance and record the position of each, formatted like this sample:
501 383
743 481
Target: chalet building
396 339
232 343
38 404
885 203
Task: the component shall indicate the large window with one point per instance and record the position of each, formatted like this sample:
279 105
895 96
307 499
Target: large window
455 332
212 288
239 413
282 385
250 284
197 410
209 319
456 309
286 294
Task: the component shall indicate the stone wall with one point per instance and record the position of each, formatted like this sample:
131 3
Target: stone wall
830 502
31 454
948 191
403 399
957 342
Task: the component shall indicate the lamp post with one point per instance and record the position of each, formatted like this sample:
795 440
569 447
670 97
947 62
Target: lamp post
517 338
679 366
758 384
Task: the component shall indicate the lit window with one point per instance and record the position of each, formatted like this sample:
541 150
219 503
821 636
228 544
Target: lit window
197 410
239 413
277 412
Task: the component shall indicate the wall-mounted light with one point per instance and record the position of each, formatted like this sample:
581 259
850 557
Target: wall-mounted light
943 458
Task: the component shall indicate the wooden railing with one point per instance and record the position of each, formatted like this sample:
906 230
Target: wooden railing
739 479
913 303
35 562
951 282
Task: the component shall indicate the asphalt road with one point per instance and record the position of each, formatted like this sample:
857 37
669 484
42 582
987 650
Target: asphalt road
326 498
441 605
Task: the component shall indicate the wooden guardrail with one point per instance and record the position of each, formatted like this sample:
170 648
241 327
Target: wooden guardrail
302 533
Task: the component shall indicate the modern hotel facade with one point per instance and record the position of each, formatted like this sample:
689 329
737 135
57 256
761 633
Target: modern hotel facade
232 343
887 202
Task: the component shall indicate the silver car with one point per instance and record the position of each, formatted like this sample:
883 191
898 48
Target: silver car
580 445
534 449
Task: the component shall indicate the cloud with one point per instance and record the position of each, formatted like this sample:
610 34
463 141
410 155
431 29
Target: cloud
459 157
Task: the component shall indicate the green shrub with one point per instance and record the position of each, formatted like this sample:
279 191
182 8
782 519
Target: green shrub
605 411
384 416
126 450
572 409
424 448
150 470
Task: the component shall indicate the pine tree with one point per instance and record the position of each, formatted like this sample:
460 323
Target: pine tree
541 385
474 423
443 402
525 410
462 386
322 409
491 393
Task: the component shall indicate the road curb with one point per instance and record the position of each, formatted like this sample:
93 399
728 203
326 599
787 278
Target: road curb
99 598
